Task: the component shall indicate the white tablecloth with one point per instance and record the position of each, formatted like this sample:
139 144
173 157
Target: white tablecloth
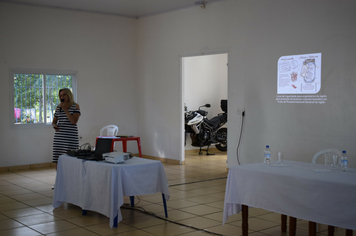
306 191
69 184
101 186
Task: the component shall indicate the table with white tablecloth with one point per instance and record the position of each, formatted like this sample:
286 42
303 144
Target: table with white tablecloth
101 186
69 183
312 192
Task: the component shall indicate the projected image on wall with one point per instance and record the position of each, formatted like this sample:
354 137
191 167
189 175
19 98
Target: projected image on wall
299 74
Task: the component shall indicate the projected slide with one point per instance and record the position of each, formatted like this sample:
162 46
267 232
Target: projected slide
299 74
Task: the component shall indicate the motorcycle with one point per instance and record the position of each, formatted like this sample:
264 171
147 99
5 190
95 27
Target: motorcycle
206 132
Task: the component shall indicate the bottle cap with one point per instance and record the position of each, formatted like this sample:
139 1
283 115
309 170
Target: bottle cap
344 151
267 146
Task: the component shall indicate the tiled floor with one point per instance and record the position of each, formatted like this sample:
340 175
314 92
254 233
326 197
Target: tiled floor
197 196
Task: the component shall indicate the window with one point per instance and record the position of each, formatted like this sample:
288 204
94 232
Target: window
35 95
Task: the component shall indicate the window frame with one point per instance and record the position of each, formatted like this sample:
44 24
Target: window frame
72 73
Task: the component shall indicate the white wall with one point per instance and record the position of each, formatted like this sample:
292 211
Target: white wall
109 54
255 33
205 81
101 48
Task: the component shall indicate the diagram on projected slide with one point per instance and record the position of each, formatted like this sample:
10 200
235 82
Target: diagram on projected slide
299 74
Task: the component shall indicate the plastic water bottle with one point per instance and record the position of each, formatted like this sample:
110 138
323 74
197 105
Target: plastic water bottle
267 155
343 161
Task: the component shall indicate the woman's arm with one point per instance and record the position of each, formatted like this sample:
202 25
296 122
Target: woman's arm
54 123
72 118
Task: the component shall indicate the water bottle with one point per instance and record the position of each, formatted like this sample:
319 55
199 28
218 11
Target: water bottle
343 161
267 155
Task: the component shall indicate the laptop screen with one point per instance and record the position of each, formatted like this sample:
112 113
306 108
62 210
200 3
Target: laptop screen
103 145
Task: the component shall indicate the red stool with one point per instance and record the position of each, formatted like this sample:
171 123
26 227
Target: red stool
124 143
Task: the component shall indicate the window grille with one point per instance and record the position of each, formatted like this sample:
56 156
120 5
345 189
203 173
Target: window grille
35 96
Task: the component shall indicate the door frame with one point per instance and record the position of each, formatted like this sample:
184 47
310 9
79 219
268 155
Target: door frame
182 92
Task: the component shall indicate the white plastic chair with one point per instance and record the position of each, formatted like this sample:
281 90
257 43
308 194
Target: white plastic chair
328 160
328 155
110 130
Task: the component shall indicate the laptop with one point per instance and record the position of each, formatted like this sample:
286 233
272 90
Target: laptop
103 145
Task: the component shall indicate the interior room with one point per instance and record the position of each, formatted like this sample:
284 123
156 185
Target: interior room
128 73
204 79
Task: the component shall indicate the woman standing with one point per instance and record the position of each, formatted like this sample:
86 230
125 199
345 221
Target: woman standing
65 125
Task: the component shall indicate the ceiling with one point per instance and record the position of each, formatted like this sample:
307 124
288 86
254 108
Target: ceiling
127 8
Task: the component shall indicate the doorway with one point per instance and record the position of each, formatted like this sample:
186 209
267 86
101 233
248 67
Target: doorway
204 80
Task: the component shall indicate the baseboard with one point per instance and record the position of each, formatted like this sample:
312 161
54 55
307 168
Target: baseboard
164 160
26 167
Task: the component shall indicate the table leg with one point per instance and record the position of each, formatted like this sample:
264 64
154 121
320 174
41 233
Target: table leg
139 146
312 228
292 226
349 232
331 230
283 223
115 222
112 146
132 201
244 220
164 205
124 145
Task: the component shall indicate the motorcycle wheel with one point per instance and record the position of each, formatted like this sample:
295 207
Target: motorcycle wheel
222 146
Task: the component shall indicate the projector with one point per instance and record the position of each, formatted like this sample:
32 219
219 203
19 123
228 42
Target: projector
116 157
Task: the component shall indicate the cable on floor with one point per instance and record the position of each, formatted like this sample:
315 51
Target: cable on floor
127 206
198 181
